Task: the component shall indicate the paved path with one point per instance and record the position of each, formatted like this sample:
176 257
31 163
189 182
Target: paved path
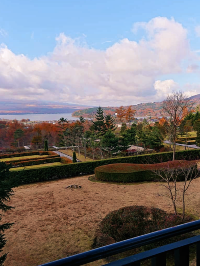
184 145
65 155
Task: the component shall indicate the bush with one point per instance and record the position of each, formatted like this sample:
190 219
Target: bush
132 221
26 154
127 173
31 159
36 161
85 168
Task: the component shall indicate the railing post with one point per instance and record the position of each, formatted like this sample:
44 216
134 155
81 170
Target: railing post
181 256
198 254
159 260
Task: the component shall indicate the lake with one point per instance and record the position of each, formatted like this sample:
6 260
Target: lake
39 117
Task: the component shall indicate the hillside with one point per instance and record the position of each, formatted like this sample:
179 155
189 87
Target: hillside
153 109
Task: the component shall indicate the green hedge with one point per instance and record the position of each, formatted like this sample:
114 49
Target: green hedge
128 173
84 168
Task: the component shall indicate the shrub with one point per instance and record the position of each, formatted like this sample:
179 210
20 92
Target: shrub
36 161
26 154
127 173
132 221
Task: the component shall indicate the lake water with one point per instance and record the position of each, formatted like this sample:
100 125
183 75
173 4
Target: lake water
39 117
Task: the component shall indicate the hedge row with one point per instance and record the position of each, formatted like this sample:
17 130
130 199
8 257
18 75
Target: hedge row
83 168
26 154
65 160
31 159
128 173
37 161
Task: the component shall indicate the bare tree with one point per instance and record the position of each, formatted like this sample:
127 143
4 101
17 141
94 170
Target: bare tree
174 107
187 171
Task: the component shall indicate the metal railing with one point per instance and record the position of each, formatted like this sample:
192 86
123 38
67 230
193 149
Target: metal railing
157 255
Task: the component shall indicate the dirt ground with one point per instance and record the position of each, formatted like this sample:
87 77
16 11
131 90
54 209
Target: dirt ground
52 221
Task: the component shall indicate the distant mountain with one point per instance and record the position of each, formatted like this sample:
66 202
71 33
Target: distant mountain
195 97
153 109
36 107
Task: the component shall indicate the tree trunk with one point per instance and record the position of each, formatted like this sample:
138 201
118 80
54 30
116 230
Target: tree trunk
174 149
85 148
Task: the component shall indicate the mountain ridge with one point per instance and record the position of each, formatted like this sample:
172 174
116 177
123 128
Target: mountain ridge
153 109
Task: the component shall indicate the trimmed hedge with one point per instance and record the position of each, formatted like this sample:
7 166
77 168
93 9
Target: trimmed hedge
31 159
26 154
51 159
128 173
84 168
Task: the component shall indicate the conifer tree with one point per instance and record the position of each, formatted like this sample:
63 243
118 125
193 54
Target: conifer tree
5 193
99 123
74 157
109 123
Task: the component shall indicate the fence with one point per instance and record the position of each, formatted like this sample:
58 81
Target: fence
157 255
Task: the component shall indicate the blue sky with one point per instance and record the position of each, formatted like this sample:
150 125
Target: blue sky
94 42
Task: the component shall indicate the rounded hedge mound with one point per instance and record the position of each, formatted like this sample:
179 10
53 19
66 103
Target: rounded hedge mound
132 221
128 173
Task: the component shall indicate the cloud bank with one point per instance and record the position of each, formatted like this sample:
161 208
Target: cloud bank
128 72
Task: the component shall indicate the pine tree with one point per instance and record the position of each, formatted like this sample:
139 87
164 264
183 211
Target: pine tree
109 123
99 124
5 193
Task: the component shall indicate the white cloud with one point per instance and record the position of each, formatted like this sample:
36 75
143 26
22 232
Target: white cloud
128 72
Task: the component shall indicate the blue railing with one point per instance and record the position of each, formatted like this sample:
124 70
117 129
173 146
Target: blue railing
157 255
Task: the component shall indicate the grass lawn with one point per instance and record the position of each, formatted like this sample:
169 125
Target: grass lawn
52 222
190 134
23 158
36 166
178 148
79 157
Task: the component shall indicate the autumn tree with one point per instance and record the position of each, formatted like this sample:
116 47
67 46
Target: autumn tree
174 106
121 113
129 114
171 174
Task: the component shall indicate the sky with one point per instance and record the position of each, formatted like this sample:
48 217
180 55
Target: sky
98 53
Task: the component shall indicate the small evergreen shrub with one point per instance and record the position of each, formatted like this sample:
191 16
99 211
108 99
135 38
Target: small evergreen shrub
74 157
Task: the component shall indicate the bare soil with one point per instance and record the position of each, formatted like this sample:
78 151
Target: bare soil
52 221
